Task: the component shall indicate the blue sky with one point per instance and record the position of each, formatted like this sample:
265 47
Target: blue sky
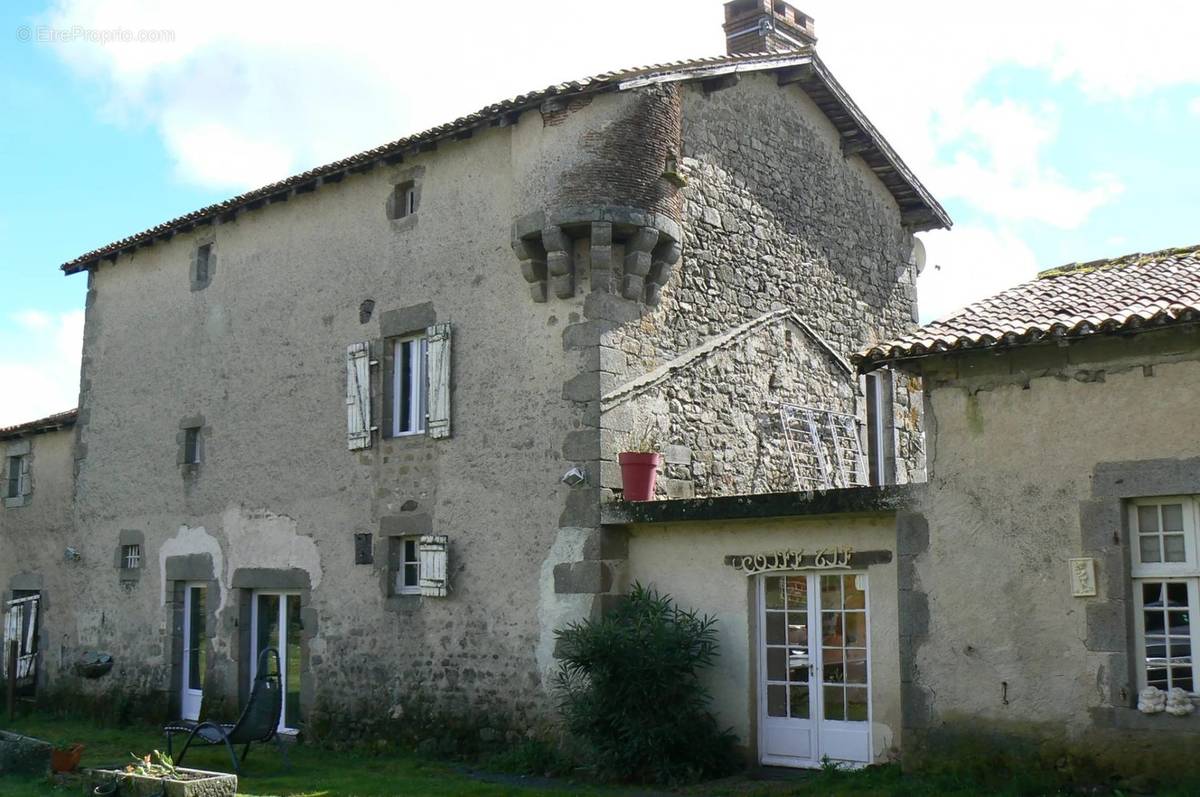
1046 142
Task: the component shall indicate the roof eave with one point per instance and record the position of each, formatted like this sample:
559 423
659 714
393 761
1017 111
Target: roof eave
865 363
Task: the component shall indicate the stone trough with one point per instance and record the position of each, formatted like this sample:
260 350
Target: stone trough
195 783
23 755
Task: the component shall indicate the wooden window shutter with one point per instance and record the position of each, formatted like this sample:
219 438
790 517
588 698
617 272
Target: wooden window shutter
432 552
358 395
438 354
24 486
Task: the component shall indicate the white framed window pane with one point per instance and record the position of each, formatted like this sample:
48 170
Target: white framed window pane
1173 548
1172 517
1147 517
408 386
1165 629
1148 548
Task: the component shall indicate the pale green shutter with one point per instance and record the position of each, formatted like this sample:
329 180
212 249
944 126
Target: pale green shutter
358 395
438 354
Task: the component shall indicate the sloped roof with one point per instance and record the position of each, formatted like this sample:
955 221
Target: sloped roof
1125 294
47 424
917 205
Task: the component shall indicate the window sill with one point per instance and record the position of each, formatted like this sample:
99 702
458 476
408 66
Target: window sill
1127 718
16 501
405 223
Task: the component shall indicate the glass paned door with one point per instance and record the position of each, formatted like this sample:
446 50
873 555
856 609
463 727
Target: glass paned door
195 617
276 624
814 669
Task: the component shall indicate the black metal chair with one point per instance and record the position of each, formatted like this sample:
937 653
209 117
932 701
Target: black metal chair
259 721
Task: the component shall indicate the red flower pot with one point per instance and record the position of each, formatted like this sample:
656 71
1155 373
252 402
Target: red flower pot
66 760
638 471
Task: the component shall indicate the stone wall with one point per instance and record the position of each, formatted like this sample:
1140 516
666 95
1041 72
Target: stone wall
34 543
775 217
717 409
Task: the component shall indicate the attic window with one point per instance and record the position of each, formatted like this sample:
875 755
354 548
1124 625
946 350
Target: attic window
404 200
781 9
191 446
202 259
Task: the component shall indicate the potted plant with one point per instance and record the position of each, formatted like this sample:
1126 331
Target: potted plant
65 756
639 465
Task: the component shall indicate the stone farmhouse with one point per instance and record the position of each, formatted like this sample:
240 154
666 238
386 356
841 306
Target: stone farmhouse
370 414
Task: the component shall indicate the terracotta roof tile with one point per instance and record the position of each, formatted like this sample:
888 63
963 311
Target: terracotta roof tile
42 424
1119 295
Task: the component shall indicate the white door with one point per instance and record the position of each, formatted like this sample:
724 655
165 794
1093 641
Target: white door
814 669
195 608
275 623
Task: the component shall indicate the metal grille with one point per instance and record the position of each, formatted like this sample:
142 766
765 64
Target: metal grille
823 448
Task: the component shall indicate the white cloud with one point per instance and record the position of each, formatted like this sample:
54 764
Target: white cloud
34 320
967 264
1003 172
248 93
40 371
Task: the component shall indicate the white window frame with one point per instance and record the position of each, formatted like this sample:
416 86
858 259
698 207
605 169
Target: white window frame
409 408
410 200
1185 572
404 564
1188 567
131 556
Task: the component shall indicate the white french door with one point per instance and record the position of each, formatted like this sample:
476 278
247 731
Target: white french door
814 669
195 617
275 623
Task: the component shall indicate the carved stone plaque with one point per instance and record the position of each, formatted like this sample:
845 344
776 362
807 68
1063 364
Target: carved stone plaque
1083 577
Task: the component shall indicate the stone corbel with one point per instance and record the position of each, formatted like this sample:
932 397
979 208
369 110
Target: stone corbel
559 262
533 266
665 258
638 259
602 256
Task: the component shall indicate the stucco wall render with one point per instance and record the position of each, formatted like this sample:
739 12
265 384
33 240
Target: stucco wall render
687 561
1014 443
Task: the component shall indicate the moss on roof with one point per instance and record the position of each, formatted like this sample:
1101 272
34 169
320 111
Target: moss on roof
1124 261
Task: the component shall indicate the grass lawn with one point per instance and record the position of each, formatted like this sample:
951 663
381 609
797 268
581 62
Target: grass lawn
317 772
313 771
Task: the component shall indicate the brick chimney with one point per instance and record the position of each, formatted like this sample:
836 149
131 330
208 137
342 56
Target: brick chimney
766 26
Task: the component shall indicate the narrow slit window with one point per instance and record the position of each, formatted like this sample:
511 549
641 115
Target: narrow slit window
131 557
203 255
191 446
404 200
408 386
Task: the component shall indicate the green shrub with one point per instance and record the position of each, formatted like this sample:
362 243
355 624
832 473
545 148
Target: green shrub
630 690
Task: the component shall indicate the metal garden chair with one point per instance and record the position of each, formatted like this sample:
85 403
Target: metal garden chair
259 721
